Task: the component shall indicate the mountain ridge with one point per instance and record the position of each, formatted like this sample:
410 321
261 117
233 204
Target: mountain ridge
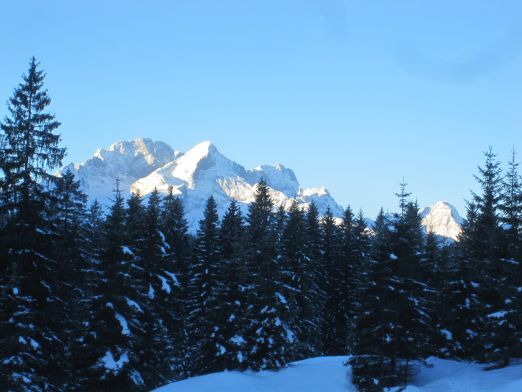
144 165
194 176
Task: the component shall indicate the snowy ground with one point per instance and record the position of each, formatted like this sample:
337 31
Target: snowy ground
329 374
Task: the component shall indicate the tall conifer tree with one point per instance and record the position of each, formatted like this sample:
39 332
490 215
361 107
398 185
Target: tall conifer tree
313 249
270 339
68 311
482 245
204 287
342 275
511 208
158 350
373 346
116 328
174 226
29 150
232 293
330 255
391 338
464 321
297 271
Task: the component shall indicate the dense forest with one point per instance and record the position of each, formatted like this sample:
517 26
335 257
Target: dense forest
125 299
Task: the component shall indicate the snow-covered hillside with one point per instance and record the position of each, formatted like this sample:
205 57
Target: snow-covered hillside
442 219
143 164
328 374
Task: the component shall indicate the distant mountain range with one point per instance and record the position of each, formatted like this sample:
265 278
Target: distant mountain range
142 165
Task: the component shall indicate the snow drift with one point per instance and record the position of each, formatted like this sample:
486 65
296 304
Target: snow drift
328 374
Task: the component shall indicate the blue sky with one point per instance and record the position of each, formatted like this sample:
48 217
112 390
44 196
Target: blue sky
352 95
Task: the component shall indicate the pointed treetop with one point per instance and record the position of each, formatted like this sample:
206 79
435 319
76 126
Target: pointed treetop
403 196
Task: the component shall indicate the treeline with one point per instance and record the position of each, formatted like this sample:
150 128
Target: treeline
126 299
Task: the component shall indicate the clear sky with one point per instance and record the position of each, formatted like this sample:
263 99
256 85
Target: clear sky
352 95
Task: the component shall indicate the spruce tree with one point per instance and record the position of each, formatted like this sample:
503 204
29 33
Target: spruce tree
158 349
507 321
486 226
435 269
482 245
511 208
232 293
341 283
360 269
297 273
174 226
403 196
270 339
373 346
313 250
29 147
91 275
464 321
413 330
391 338
330 256
204 309
68 312
116 329
29 150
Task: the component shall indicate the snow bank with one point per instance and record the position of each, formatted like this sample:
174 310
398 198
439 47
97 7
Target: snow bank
311 375
453 376
328 374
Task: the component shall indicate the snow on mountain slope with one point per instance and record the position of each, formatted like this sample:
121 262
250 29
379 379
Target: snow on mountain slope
194 170
442 219
329 374
142 165
127 161
277 177
203 171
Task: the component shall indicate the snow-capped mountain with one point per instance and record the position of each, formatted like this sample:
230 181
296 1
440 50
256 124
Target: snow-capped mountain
142 165
442 219
126 161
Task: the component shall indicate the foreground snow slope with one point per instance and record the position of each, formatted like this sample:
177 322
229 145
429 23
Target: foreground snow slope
311 375
327 374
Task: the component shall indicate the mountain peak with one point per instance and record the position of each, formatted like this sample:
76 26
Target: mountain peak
442 219
199 158
140 148
126 160
201 151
